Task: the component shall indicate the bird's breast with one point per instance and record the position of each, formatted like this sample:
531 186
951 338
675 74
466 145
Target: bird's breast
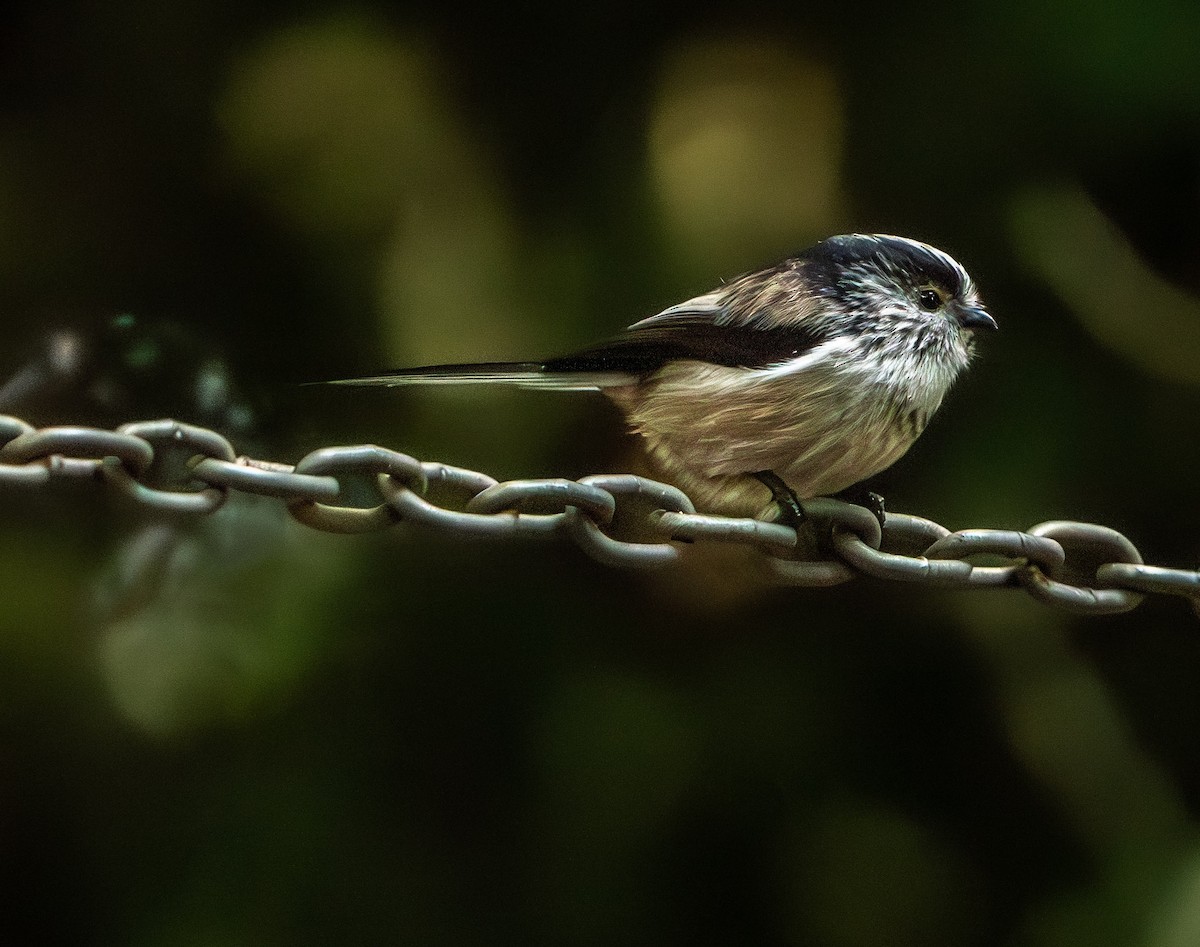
822 428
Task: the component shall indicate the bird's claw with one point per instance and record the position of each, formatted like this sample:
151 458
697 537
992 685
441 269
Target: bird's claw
791 513
866 498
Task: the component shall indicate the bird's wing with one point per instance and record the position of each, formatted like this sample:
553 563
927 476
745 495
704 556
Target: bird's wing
711 307
724 327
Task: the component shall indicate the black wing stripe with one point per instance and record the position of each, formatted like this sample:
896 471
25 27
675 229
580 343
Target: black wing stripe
645 350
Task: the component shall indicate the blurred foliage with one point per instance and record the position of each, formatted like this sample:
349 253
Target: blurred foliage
1104 282
241 732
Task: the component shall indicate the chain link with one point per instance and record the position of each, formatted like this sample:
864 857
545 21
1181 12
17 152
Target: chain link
618 519
179 438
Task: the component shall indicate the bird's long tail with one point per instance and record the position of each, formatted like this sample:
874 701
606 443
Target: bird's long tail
544 375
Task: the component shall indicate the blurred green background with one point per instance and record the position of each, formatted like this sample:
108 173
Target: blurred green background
292 738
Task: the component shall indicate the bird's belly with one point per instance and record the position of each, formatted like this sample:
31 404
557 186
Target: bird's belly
843 459
819 434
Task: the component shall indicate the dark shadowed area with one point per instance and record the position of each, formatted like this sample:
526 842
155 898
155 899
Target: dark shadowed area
277 736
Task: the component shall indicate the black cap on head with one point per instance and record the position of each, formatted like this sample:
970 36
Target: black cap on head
909 260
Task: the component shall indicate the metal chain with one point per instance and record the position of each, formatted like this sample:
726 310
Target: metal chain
618 519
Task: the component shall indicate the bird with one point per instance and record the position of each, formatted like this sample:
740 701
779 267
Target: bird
798 380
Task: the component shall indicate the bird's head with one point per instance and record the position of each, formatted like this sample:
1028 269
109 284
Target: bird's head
880 282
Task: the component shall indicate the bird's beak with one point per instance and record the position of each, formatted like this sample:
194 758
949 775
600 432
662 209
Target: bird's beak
976 317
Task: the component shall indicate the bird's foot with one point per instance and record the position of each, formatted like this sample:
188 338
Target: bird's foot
862 497
791 512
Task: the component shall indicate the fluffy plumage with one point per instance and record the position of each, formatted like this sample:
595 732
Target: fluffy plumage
823 369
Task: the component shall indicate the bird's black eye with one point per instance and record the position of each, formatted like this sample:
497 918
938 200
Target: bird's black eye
929 300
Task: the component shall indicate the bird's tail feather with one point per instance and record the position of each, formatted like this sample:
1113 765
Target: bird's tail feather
520 374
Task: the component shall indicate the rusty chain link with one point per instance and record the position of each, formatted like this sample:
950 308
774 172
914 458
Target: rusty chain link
618 519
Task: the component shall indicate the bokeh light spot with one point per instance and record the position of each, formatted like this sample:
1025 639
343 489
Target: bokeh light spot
745 147
1080 254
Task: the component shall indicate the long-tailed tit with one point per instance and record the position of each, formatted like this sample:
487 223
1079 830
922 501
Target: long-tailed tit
805 378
